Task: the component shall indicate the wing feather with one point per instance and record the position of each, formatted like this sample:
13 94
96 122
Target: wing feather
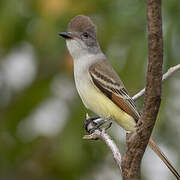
107 81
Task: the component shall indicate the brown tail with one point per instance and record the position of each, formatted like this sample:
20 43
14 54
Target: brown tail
162 156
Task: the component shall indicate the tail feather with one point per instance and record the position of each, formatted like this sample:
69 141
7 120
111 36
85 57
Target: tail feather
162 156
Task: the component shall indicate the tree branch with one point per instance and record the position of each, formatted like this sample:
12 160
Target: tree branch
137 143
165 76
100 133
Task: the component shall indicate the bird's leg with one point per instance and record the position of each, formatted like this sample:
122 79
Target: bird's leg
88 121
93 123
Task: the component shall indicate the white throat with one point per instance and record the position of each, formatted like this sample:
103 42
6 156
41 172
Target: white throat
83 59
76 48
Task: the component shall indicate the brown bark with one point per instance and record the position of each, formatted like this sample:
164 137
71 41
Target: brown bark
137 142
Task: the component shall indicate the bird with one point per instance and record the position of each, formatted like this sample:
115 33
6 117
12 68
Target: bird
98 85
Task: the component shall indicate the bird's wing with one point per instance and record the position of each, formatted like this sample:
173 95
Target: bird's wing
107 81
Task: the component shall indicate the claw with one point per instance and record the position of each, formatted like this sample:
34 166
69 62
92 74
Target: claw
89 123
93 123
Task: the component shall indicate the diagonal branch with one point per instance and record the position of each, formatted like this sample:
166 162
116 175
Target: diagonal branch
100 133
165 76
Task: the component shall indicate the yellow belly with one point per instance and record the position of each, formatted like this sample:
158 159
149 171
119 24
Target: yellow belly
97 102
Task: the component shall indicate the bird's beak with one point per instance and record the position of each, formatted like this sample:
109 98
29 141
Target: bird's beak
65 35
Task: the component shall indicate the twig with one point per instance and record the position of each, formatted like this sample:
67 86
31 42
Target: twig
165 76
102 135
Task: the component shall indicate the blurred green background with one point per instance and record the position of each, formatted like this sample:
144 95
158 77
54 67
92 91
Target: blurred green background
41 115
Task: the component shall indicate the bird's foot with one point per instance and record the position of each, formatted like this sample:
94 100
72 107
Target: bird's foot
93 123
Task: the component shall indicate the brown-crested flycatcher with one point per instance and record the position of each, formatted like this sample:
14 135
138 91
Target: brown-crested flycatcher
98 85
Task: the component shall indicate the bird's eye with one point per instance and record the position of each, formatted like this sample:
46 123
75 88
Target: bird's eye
85 35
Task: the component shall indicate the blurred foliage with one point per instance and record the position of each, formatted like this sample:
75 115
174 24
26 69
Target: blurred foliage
34 146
